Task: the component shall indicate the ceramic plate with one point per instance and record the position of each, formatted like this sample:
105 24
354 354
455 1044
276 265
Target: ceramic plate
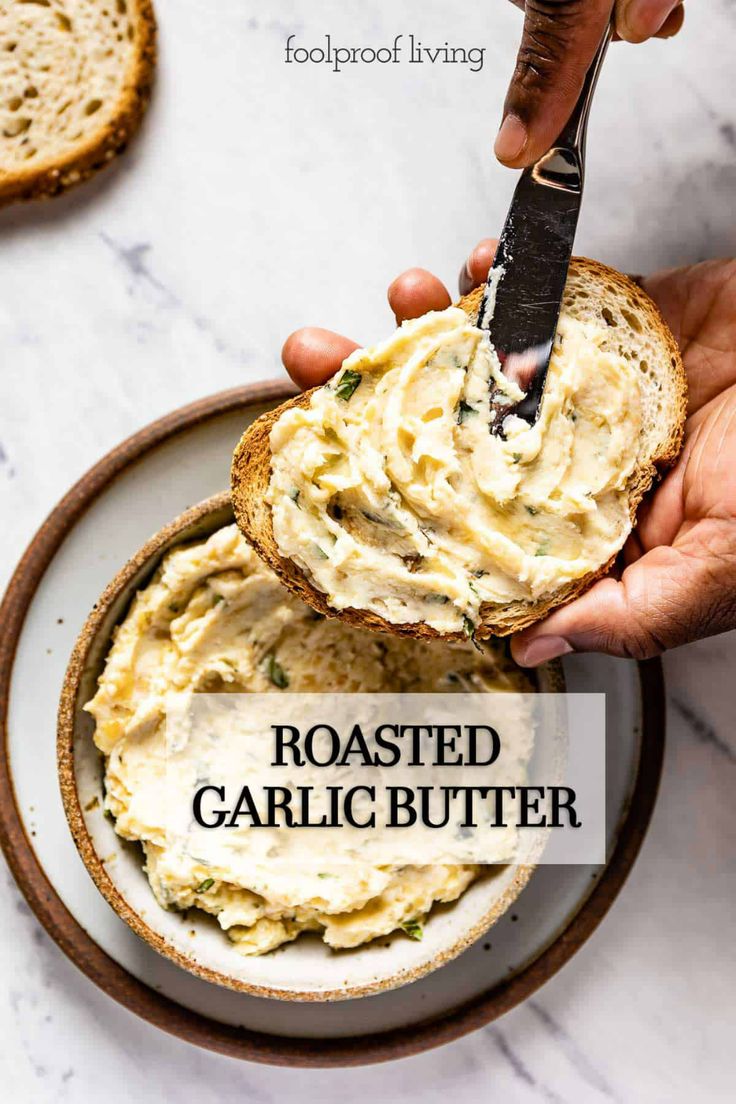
126 498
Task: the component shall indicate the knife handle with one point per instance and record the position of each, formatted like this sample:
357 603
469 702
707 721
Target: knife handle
563 165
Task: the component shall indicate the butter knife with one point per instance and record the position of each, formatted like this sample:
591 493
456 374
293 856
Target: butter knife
521 303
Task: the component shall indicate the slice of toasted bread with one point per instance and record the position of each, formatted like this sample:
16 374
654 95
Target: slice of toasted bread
636 330
75 79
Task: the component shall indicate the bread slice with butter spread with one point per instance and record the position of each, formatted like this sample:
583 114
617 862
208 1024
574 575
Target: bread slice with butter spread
75 79
383 499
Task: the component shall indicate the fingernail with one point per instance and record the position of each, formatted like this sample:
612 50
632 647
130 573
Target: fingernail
628 21
542 649
511 139
643 19
465 280
673 23
660 15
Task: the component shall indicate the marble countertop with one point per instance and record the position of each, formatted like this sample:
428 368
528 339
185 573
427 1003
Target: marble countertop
263 196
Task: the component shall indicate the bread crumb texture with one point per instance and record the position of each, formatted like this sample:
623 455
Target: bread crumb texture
75 78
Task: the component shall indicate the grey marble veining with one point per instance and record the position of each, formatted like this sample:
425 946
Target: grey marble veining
262 197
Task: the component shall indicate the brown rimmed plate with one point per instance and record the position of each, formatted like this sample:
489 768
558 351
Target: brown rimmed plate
97 527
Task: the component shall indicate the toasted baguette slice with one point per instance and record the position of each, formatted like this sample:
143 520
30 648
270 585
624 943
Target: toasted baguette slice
75 79
637 330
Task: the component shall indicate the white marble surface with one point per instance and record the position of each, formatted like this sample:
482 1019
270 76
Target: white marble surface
261 197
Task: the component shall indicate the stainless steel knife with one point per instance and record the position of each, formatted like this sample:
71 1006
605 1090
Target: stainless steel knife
521 304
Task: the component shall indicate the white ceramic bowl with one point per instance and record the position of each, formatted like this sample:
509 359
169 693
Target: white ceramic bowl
304 970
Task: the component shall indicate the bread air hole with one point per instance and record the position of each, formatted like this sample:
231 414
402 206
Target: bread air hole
633 320
16 127
92 107
608 316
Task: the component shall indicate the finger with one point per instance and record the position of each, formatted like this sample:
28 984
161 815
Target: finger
669 597
475 270
632 551
559 41
673 23
699 305
638 20
312 355
660 516
415 292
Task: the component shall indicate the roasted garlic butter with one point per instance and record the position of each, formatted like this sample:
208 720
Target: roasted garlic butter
392 495
215 619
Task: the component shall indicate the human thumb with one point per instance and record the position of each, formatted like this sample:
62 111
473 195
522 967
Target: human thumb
668 597
558 44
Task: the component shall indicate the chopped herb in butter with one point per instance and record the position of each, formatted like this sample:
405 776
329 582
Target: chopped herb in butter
348 384
276 672
464 410
413 929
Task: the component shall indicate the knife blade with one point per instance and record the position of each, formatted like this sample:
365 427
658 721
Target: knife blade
521 303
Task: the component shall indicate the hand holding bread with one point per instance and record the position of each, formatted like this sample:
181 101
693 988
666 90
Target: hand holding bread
678 577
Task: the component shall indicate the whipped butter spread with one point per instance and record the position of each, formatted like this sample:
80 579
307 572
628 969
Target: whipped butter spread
214 619
391 494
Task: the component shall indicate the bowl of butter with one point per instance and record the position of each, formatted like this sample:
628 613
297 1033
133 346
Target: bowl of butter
196 611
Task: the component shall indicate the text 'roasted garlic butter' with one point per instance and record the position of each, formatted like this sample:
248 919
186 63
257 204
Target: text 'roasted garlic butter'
215 620
389 491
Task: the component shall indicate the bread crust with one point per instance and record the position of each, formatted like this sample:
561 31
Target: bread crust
251 474
56 174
